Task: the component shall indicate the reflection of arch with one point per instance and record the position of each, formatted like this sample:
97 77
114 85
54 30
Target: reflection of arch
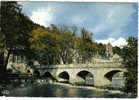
64 75
36 73
87 76
110 74
48 75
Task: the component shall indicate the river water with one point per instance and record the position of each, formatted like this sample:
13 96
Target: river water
61 90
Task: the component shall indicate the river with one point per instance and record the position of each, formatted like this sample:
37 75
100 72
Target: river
64 90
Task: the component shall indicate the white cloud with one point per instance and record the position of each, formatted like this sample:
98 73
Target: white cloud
21 2
119 42
109 40
42 16
107 19
113 18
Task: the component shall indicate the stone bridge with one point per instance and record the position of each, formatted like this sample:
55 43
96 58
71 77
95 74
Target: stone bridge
101 72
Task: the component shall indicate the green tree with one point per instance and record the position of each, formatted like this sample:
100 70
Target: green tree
117 50
85 35
14 30
54 47
74 30
129 53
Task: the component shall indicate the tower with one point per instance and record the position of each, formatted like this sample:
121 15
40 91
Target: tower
109 52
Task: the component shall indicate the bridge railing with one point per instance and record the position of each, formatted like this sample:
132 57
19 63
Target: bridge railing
97 64
108 64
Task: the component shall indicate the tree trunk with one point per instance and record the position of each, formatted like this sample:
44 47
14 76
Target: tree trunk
1 61
6 61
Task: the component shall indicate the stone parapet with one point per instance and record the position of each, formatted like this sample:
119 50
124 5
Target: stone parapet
90 65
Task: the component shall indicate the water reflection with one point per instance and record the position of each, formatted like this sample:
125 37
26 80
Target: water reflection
58 93
72 92
55 90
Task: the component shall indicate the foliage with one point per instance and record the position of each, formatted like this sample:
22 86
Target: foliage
14 31
130 59
117 50
101 49
85 35
43 44
54 45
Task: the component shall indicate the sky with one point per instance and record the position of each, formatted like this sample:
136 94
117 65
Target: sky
109 22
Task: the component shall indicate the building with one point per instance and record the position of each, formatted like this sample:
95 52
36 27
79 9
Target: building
109 51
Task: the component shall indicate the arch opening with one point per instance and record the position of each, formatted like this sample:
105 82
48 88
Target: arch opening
116 77
113 74
36 74
48 75
87 77
64 77
28 71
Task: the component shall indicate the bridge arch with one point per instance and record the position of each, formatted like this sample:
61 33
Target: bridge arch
109 75
36 73
87 76
64 76
28 71
48 75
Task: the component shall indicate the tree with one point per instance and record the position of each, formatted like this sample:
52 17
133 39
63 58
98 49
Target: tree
85 35
129 53
14 30
52 47
117 50
54 29
41 41
74 29
101 49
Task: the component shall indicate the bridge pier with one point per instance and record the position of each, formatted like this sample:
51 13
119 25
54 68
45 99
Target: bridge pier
100 80
74 79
